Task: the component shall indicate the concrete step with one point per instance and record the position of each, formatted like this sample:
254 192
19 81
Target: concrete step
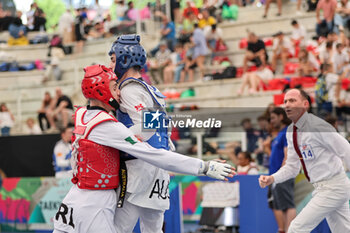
262 27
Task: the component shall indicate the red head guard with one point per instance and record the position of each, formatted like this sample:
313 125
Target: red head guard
95 84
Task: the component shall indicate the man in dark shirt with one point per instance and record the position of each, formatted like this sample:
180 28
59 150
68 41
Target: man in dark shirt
60 112
256 52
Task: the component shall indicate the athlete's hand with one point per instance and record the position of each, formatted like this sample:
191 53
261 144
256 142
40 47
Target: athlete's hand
218 169
265 181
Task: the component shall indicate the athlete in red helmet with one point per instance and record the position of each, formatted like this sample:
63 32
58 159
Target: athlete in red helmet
89 206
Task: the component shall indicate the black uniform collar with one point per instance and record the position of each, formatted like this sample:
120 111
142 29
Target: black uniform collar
95 108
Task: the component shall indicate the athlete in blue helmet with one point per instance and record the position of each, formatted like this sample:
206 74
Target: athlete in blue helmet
147 188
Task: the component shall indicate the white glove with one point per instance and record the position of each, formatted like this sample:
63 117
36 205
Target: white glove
217 170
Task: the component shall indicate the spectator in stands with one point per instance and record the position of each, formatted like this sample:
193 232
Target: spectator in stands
121 9
325 25
187 27
298 34
206 19
7 120
256 80
267 6
168 32
189 64
31 127
326 54
282 195
173 69
62 153
307 63
256 51
30 16
246 165
96 32
162 59
282 49
60 112
190 8
109 25
18 33
200 49
213 35
326 90
45 105
340 59
65 26
252 134
80 36
342 16
39 20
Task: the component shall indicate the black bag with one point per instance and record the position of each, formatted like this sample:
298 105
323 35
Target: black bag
229 72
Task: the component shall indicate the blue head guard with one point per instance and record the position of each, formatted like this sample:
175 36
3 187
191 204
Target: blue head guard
128 53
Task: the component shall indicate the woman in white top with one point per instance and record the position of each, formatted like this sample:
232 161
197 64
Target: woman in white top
6 120
255 79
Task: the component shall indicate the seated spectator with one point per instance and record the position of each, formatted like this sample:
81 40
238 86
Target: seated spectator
307 63
18 33
340 59
246 165
206 19
62 153
60 112
39 20
189 66
109 25
96 32
190 7
162 59
282 49
342 15
256 52
7 120
31 127
326 54
298 34
45 105
173 69
30 16
326 25
213 35
255 80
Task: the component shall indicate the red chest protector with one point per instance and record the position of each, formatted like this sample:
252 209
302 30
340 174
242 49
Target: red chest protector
97 166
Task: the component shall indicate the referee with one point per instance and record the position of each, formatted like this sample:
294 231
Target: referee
314 145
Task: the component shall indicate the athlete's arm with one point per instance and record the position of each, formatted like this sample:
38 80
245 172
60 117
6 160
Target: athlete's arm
121 138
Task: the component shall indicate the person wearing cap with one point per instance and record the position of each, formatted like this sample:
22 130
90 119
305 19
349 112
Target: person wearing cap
315 146
90 205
